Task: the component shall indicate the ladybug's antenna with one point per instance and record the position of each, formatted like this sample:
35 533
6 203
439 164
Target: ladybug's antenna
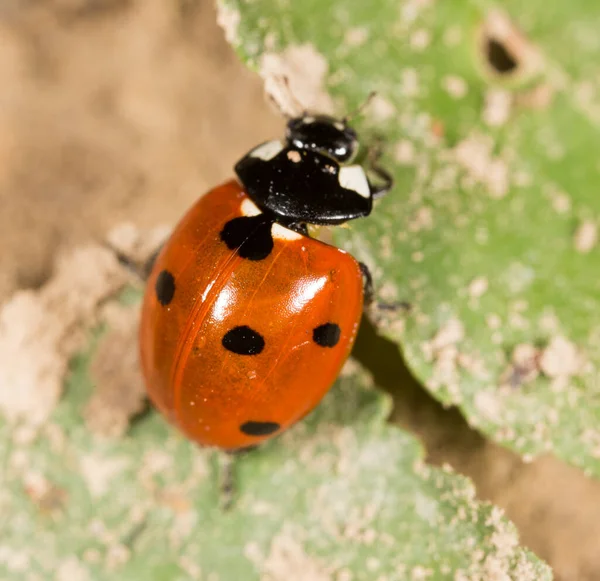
297 104
360 108
279 92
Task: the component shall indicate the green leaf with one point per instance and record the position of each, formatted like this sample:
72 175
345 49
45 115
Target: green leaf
490 231
343 495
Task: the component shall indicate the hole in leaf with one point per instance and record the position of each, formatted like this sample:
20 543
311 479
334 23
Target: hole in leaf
499 57
505 49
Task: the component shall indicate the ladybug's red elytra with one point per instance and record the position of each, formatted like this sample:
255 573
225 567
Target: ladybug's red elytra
247 320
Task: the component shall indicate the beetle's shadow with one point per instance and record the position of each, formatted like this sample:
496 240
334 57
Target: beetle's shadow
443 431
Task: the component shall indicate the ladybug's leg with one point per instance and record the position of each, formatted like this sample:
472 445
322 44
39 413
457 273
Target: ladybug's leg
368 290
369 294
386 181
141 270
227 485
226 479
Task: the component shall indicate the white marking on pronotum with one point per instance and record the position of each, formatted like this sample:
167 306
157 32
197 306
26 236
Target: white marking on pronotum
308 120
249 208
339 126
352 177
282 233
267 150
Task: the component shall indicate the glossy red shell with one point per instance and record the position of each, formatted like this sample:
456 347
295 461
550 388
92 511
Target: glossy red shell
210 392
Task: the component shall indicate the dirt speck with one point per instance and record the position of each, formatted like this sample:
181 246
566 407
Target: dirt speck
591 439
191 568
586 236
116 556
561 358
488 404
294 156
474 364
497 107
153 463
561 201
36 485
422 220
455 86
474 154
420 39
417 256
253 552
450 333
409 83
99 472
404 152
71 569
478 287
50 501
539 97
420 573
356 36
443 351
493 321
288 561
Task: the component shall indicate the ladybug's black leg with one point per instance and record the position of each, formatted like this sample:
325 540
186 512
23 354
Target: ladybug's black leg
369 294
368 291
386 181
227 475
227 480
142 270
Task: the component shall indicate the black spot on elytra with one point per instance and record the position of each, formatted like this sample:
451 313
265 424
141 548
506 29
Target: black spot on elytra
165 287
259 428
327 335
250 236
243 341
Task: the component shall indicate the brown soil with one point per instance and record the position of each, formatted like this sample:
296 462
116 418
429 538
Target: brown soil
128 109
113 110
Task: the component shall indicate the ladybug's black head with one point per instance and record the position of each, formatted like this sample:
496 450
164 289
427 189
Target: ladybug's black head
323 134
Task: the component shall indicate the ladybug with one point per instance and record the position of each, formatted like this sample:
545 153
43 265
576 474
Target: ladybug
247 319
